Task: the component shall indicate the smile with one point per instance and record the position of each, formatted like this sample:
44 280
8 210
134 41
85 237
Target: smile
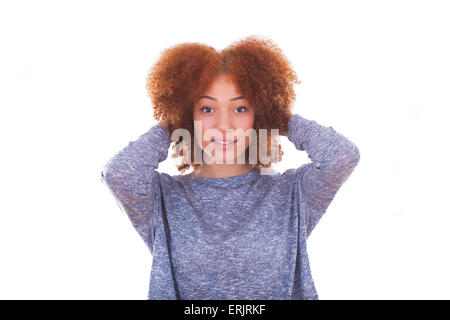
220 144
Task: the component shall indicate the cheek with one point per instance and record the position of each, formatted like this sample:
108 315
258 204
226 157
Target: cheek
199 127
198 135
249 120
248 124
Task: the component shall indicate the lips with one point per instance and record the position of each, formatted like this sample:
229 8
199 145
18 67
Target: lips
225 145
227 140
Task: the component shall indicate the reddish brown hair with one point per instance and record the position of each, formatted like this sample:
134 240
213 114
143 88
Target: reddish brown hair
259 69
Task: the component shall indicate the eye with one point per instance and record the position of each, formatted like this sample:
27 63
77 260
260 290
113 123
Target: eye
238 108
201 109
241 107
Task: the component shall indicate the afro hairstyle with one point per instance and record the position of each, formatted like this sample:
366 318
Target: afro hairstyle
257 66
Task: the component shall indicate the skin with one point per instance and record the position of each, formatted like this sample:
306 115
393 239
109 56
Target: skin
164 124
219 115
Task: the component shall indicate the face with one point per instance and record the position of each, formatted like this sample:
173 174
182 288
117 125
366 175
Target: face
224 115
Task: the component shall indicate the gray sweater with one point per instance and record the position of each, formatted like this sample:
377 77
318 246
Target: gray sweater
240 237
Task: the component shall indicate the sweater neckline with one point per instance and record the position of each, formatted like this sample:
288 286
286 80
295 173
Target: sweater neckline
224 180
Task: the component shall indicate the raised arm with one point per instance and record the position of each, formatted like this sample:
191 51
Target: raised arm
132 178
333 156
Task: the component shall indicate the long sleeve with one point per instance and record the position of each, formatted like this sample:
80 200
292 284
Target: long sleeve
334 157
134 182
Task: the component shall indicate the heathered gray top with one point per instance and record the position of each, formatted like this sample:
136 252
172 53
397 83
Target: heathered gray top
239 237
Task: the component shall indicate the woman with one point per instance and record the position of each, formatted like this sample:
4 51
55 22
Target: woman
228 230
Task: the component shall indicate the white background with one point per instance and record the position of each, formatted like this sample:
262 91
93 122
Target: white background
73 94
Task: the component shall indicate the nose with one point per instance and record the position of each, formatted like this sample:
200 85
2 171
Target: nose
225 127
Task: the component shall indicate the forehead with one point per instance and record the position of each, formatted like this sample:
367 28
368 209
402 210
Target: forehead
223 83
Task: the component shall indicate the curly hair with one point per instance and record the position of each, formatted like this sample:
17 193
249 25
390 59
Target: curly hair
258 68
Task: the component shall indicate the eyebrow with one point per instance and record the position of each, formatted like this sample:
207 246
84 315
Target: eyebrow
232 99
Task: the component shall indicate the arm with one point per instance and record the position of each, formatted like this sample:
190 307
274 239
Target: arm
333 156
134 182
